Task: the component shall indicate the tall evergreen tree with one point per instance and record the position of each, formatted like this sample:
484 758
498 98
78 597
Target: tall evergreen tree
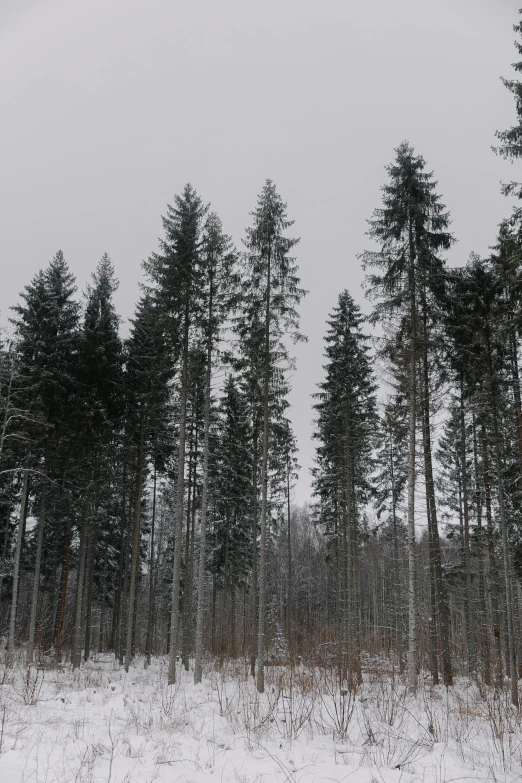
218 284
175 272
346 429
101 413
47 326
411 228
271 287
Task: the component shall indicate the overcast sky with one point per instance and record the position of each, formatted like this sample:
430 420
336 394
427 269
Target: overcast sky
108 107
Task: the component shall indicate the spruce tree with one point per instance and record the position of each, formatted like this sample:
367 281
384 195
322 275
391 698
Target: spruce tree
411 228
47 328
100 376
218 287
510 146
148 373
271 291
175 273
346 428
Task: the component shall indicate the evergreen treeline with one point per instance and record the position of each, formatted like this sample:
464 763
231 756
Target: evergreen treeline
145 481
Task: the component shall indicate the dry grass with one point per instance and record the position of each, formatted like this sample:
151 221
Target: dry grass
103 724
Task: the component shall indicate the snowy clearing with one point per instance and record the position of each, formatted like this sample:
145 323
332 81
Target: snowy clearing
101 724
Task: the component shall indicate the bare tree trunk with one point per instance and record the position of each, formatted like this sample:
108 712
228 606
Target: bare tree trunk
351 589
254 596
189 549
150 614
124 598
289 595
76 651
264 493
16 567
467 558
412 564
180 496
135 552
5 543
493 569
517 396
87 594
442 608
486 651
396 573
432 614
36 580
63 592
200 612
504 536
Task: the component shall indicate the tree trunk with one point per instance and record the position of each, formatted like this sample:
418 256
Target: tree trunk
189 551
486 651
200 612
150 614
351 587
76 651
467 558
254 596
412 565
494 579
443 614
504 534
397 570
432 613
63 592
135 552
36 580
87 594
289 595
264 493
180 495
16 567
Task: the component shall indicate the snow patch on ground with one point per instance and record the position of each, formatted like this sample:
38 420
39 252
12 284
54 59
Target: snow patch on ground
102 724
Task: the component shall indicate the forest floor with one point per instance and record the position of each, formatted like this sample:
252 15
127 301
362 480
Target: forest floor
102 724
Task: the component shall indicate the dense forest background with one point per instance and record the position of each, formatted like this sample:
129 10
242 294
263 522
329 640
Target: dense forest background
146 480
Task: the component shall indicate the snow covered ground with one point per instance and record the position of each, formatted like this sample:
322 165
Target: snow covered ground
102 724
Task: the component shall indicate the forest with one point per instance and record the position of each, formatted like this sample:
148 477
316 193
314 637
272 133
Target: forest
146 477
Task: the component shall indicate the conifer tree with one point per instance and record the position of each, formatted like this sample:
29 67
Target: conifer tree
148 373
175 272
345 428
218 284
47 327
231 556
271 289
478 308
510 146
411 229
100 377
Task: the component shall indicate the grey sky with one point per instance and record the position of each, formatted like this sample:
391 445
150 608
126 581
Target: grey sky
109 106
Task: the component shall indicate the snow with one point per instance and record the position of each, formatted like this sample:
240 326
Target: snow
102 724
